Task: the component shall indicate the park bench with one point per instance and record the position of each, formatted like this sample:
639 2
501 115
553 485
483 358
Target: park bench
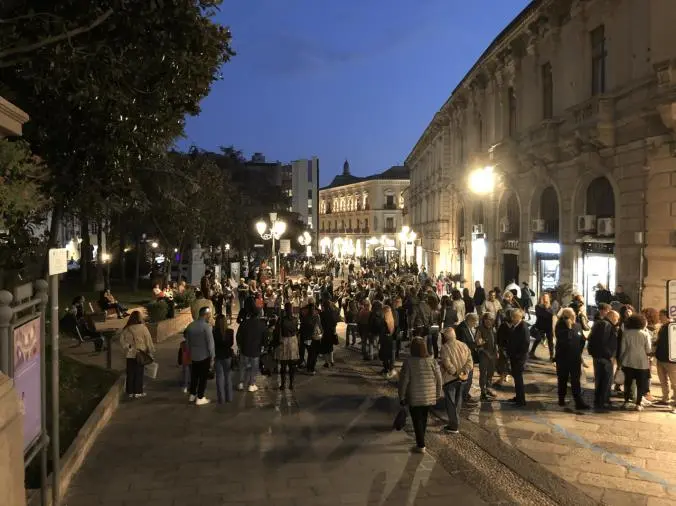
98 314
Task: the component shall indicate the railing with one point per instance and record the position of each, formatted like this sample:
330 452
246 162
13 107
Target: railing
391 207
365 230
389 230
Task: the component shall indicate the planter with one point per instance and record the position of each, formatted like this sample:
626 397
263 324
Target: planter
77 452
161 331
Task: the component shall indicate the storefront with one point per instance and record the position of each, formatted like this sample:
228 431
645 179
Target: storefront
597 265
547 265
510 262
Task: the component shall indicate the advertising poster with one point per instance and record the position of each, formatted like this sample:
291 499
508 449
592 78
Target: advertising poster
27 378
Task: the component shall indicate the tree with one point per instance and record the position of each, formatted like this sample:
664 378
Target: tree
22 206
108 103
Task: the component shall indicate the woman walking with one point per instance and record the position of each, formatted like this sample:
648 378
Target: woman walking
136 342
286 351
636 345
569 345
456 364
544 326
311 333
224 339
420 388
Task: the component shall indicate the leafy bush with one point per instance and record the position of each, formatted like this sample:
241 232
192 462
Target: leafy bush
157 310
185 299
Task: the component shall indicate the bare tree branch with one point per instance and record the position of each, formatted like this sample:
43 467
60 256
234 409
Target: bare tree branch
55 38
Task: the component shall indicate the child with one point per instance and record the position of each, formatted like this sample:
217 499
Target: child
184 361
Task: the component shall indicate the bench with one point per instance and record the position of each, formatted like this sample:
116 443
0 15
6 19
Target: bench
98 314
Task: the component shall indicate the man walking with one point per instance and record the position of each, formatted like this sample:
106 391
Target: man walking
200 339
602 346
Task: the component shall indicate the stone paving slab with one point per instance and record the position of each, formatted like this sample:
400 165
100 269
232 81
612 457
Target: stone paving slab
328 443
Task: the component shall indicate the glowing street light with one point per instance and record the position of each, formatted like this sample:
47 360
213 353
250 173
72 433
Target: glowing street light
274 232
482 181
154 244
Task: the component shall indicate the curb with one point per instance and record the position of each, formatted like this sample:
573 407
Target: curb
72 460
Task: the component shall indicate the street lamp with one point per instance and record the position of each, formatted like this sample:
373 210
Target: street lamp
305 239
482 181
106 258
154 245
274 232
227 260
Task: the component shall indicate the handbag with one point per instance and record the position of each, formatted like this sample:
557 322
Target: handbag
151 370
143 357
400 419
618 379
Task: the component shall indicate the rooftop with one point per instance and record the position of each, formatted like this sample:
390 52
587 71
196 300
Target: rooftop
400 172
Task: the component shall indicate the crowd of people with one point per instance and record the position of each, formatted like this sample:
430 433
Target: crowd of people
446 330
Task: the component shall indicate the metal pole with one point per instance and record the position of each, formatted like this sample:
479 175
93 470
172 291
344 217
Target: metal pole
640 275
274 258
56 467
41 288
6 314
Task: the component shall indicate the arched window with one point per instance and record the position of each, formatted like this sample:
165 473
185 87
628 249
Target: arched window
600 198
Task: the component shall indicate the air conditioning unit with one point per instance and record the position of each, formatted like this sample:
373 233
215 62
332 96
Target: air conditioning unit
504 227
586 223
477 229
538 226
606 227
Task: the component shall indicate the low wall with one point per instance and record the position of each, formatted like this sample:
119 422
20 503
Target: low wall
11 447
77 452
163 330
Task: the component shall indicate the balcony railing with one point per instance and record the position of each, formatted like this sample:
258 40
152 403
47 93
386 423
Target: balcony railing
389 230
389 206
365 230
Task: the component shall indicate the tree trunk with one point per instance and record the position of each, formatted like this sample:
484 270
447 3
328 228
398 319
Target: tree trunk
137 271
123 245
99 280
85 249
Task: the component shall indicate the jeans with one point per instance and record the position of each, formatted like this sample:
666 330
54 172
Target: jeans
486 371
134 377
603 379
419 416
223 380
351 331
313 354
454 392
568 369
433 341
248 370
540 335
291 366
467 384
368 346
642 377
198 378
186 374
517 367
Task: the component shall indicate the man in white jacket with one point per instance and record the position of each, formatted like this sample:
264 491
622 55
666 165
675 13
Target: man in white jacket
456 363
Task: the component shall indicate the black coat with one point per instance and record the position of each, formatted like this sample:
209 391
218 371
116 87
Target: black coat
251 335
518 341
602 340
223 343
569 343
544 318
464 334
479 297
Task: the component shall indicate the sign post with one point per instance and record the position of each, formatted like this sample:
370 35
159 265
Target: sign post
58 264
671 298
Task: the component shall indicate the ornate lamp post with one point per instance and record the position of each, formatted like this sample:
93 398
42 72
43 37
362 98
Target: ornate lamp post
305 239
274 231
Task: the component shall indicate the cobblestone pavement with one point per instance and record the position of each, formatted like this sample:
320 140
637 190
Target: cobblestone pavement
328 443
616 458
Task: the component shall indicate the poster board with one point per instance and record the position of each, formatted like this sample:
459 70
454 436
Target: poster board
672 342
27 378
671 298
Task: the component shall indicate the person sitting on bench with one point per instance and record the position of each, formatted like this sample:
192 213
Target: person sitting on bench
107 301
80 326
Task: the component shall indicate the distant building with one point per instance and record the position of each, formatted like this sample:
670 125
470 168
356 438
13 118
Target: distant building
362 216
300 182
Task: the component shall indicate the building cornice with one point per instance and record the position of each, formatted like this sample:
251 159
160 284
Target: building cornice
16 117
527 23
361 185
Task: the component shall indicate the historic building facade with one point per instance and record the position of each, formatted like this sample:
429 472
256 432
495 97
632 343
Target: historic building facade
362 216
554 160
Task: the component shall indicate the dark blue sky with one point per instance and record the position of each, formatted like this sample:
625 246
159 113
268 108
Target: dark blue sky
355 79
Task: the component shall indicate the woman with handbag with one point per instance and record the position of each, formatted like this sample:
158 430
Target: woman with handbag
137 344
286 345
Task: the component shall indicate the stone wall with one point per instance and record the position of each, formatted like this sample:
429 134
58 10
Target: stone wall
12 491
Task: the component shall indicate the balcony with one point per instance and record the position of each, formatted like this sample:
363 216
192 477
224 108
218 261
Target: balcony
389 230
390 207
365 230
593 122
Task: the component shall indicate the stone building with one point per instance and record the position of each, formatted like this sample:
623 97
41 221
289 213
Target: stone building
554 159
361 216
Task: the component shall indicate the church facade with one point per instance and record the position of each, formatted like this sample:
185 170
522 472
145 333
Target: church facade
554 160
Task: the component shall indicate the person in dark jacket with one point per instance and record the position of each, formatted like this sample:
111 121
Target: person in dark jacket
666 370
465 333
329 317
286 345
479 295
569 345
224 339
544 326
468 300
449 316
311 334
251 335
602 346
516 347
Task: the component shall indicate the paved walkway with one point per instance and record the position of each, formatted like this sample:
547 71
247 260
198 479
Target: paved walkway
328 443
